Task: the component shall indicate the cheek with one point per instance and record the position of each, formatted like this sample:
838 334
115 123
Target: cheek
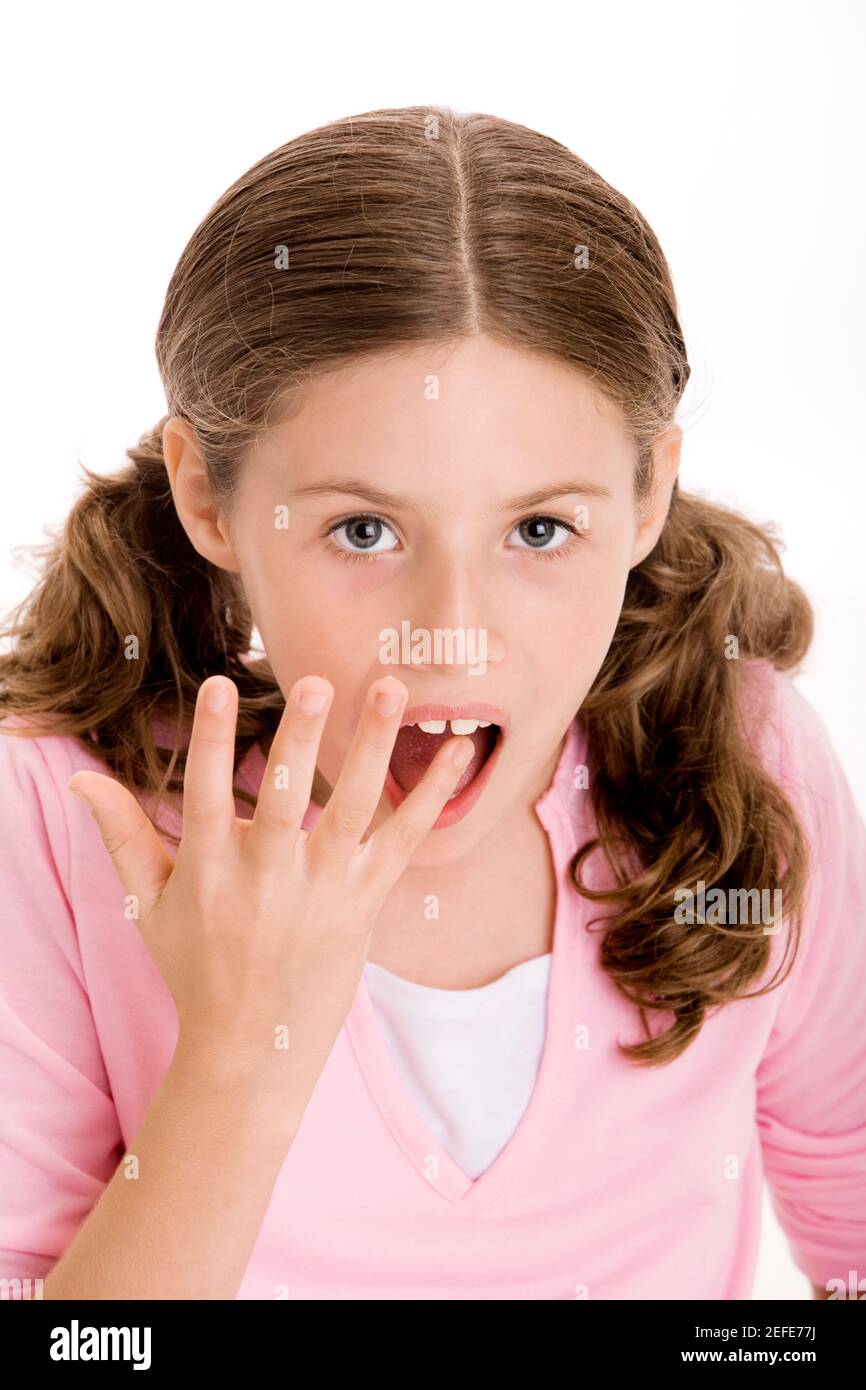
601 606
590 591
606 569
297 621
582 618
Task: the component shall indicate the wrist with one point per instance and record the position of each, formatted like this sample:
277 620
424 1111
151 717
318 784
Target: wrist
237 1086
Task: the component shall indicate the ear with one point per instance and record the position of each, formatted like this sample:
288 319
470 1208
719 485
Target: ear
203 522
654 511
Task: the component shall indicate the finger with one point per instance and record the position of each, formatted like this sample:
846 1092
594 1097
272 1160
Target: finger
286 787
393 843
360 784
208 798
141 861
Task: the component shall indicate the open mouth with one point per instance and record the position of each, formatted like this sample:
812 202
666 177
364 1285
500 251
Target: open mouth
416 746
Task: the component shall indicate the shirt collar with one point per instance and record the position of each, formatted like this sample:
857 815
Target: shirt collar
565 803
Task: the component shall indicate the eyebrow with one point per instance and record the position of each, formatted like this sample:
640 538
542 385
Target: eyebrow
356 487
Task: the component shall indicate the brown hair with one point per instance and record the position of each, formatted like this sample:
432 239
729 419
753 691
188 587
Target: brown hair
427 225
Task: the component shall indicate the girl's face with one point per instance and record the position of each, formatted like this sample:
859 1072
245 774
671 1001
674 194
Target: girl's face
479 489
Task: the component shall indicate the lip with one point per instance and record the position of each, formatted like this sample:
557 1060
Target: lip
456 810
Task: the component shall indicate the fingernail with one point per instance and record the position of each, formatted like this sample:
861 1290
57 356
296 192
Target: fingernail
312 701
387 704
217 696
460 755
81 797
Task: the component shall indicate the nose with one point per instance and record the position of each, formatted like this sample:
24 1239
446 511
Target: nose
450 592
450 608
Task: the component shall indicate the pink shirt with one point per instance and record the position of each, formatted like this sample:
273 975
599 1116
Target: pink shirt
619 1182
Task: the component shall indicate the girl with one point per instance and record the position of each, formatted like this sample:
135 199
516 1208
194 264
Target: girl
353 1017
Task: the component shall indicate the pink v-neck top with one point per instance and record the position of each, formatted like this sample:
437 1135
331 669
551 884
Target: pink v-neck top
618 1182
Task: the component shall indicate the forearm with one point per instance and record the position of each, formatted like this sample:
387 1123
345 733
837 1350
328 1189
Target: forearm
209 1154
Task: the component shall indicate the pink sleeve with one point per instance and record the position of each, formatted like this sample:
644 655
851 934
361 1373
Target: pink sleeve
811 1095
59 1136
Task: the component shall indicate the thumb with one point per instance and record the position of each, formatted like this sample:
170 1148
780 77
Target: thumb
141 861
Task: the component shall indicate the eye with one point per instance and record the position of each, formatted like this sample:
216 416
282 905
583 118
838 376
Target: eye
539 529
364 535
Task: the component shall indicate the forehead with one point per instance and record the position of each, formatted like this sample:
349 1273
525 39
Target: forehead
480 409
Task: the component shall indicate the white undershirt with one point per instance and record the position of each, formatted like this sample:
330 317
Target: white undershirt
467 1058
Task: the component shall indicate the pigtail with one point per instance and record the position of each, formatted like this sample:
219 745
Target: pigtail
677 782
125 623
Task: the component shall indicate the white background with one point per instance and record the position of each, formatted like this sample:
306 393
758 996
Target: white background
737 129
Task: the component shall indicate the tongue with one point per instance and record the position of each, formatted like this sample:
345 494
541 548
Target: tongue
414 751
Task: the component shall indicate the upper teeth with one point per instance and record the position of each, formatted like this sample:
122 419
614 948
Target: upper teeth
458 726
